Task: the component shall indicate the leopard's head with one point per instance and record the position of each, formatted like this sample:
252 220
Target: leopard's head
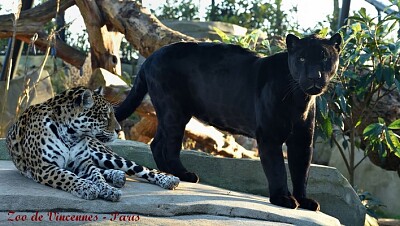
94 116
313 61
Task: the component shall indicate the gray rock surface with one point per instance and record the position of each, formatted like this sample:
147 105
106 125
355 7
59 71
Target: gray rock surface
25 197
326 184
122 219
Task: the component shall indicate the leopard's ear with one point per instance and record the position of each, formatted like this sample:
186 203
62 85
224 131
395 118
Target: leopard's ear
85 99
291 42
99 91
336 40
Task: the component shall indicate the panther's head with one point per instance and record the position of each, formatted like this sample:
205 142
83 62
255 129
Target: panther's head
94 116
313 61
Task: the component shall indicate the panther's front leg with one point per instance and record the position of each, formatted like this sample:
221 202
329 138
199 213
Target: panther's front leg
105 158
273 164
299 158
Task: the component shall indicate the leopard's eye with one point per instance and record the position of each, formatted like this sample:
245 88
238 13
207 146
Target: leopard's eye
105 117
302 59
325 59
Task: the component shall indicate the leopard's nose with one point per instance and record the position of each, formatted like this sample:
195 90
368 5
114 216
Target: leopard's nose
117 127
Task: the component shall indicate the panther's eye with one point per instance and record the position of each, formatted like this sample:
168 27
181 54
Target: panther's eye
325 59
302 59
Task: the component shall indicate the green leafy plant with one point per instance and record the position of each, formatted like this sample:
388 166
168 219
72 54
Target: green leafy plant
253 42
266 15
382 138
368 73
178 10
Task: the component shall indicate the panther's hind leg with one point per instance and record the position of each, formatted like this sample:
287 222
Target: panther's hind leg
166 146
156 147
172 128
105 158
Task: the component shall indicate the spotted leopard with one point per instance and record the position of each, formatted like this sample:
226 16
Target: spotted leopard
60 143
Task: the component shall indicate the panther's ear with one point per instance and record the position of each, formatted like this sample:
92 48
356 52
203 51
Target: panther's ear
336 40
85 100
291 42
99 91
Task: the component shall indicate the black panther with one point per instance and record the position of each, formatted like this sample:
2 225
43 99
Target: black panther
270 98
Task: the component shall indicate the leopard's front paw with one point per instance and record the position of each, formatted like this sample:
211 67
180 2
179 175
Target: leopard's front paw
118 178
167 181
109 193
86 190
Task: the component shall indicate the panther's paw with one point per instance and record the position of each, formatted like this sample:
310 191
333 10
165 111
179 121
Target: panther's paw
285 201
188 177
86 190
309 204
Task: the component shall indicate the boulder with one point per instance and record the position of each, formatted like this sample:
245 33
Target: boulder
326 184
39 92
102 77
142 203
382 184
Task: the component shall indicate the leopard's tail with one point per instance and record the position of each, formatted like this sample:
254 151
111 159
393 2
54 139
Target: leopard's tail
134 98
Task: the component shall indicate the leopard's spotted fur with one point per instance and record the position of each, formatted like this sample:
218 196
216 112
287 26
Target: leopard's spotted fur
59 143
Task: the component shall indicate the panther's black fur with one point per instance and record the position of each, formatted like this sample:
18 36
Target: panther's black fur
270 99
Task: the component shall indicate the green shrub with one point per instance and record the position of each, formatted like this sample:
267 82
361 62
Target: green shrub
368 72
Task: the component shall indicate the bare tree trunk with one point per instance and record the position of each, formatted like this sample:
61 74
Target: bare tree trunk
104 44
335 15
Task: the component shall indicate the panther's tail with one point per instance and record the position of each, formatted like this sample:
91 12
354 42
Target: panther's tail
134 98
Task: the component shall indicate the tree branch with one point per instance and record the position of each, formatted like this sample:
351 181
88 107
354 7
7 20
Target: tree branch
32 21
104 44
346 162
64 51
143 30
